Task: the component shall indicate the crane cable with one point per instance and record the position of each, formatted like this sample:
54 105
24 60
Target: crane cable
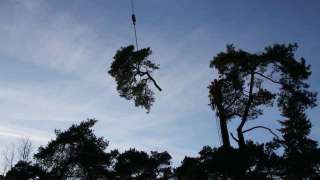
134 21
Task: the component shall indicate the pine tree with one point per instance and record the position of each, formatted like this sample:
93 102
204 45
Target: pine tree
301 155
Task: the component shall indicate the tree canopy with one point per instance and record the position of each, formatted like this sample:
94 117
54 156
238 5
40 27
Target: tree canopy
25 171
241 88
76 152
139 165
241 92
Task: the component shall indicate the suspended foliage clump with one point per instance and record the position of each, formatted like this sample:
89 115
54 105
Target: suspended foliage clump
132 71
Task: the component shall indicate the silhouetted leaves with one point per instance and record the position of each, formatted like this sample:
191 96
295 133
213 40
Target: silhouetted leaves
240 92
132 71
138 165
301 153
220 163
76 152
26 171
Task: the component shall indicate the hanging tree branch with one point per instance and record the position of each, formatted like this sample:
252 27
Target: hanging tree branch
154 82
140 73
132 81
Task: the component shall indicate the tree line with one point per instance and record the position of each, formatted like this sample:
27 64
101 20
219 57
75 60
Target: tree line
239 94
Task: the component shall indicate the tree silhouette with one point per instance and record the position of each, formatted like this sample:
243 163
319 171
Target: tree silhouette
132 71
301 155
75 153
190 169
218 99
138 165
228 163
240 92
25 171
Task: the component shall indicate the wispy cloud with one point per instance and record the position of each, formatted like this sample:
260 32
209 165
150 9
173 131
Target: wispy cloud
55 39
38 137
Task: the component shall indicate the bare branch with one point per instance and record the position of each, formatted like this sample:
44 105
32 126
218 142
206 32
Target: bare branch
8 158
234 138
269 78
24 150
262 127
142 73
154 82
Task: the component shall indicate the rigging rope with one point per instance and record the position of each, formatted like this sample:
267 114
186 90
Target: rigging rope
134 20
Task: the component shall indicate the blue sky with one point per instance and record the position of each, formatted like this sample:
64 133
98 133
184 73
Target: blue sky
54 58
